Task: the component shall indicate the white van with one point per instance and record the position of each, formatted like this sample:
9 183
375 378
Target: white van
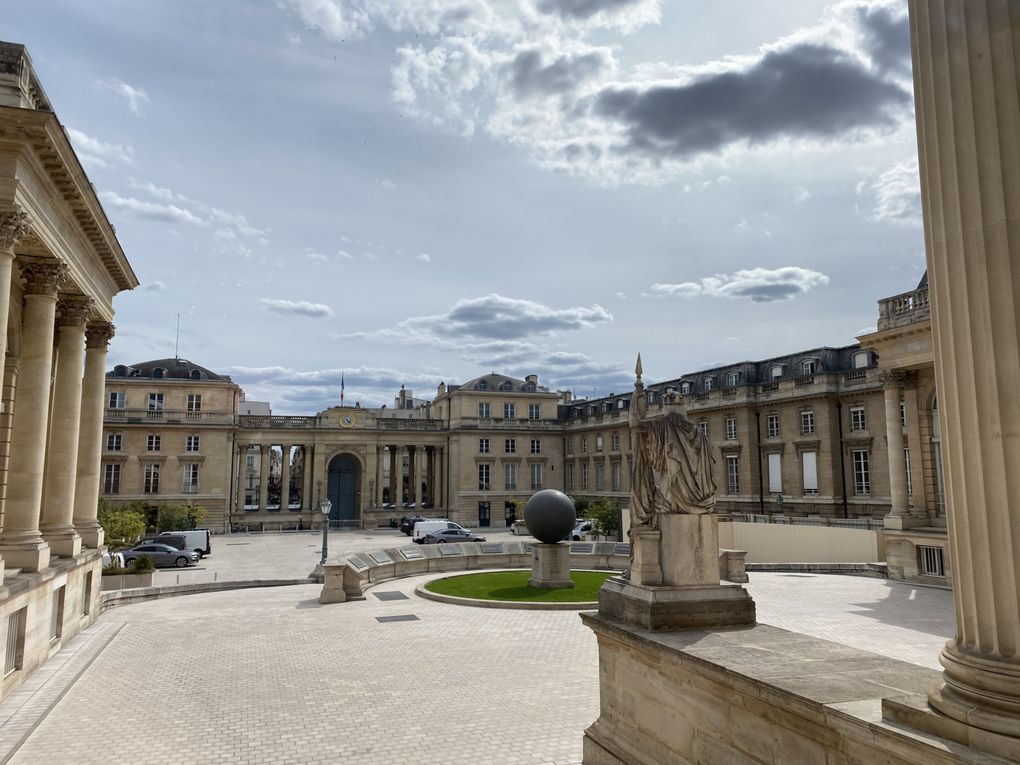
199 540
423 528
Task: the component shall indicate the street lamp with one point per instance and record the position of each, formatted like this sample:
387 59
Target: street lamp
324 507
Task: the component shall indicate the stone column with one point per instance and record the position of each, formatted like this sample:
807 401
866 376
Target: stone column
284 478
439 488
968 118
57 519
241 475
894 450
13 227
21 544
306 484
90 435
412 475
394 468
417 460
264 450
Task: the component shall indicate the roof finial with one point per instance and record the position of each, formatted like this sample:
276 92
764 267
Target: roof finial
637 368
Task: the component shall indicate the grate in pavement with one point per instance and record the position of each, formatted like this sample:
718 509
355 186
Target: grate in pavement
391 595
400 618
235 544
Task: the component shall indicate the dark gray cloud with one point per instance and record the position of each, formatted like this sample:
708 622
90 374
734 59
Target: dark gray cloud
887 37
806 91
531 76
583 9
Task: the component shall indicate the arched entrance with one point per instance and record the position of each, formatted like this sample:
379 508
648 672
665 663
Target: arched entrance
343 487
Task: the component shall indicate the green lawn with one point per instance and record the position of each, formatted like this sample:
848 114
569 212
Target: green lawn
513 585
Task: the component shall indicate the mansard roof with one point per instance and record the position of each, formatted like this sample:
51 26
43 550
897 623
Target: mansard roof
168 369
497 382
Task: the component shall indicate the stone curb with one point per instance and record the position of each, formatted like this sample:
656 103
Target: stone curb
874 570
521 606
113 598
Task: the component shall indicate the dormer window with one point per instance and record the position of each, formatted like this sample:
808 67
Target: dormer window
120 371
862 359
505 386
709 383
530 387
808 366
685 388
481 385
775 371
195 375
732 378
158 373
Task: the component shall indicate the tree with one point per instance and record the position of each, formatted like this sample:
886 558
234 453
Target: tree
122 524
179 517
605 517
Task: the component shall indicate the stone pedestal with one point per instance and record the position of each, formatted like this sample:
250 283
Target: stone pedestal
689 549
340 583
550 567
645 568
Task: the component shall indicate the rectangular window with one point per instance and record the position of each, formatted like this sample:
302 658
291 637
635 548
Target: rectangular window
808 367
192 443
534 411
903 415
772 425
111 478
536 476
862 472
483 446
57 613
703 427
510 477
775 473
616 476
598 442
510 445
509 411
910 480
113 442
600 476
86 595
584 476
14 656
570 476
249 462
536 446
709 383
731 428
483 410
809 470
194 402
152 443
190 485
584 444
155 402
732 474
116 400
615 442
150 484
932 561
807 423
857 418
483 477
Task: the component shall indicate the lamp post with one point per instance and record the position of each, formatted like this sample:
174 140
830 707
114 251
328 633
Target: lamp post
324 507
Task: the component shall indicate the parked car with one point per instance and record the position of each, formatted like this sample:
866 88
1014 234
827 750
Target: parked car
162 555
199 540
519 528
442 536
582 527
407 524
427 526
172 538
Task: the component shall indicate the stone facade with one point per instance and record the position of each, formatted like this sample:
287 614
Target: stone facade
60 267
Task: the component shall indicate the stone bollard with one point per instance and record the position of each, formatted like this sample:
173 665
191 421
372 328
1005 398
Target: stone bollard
732 566
340 583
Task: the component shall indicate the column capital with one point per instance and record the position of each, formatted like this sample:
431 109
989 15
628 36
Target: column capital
13 226
43 276
74 310
892 378
98 334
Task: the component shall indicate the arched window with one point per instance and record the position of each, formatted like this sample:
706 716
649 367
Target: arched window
480 385
529 387
808 366
120 371
506 386
195 375
709 383
685 388
732 378
775 371
158 372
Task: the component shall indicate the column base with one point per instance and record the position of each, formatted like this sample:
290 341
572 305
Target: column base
92 535
63 540
669 608
903 521
30 555
980 692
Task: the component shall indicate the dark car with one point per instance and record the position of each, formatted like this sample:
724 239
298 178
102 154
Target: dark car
451 535
162 555
407 524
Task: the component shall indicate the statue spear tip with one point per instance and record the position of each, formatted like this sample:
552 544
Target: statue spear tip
637 367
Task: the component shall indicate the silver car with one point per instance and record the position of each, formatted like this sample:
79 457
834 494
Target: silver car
162 555
443 536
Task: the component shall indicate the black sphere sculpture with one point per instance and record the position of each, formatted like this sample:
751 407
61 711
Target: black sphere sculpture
550 516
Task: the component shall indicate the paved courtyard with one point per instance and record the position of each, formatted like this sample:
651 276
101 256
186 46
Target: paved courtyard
271 676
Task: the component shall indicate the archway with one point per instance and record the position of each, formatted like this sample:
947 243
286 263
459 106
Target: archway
343 487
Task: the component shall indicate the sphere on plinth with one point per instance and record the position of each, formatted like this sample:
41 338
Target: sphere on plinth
550 516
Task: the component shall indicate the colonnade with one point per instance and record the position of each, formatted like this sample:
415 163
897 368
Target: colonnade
53 407
424 466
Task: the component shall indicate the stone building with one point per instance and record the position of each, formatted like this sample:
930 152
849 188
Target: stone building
60 266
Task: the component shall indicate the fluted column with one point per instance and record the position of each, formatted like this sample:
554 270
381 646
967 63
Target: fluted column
13 227
57 519
306 481
894 447
284 478
264 450
379 457
21 544
90 435
394 468
968 119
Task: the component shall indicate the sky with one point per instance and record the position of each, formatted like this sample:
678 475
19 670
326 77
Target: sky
424 191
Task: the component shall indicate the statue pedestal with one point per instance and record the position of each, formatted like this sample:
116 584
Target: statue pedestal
550 566
674 581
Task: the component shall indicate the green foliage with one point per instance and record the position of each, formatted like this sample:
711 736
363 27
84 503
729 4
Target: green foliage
581 506
179 517
123 524
141 565
113 570
605 517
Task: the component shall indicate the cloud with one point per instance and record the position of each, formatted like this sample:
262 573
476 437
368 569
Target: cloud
626 13
424 258
135 97
531 74
897 194
386 183
801 195
98 153
296 308
761 285
154 286
166 213
886 33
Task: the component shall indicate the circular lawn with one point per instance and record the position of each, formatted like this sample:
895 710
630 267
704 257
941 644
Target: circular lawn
512 586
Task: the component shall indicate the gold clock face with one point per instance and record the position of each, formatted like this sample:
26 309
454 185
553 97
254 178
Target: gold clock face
347 420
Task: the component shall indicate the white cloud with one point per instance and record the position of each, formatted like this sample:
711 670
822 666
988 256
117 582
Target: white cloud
98 153
897 194
801 195
153 286
386 183
167 213
761 285
296 308
135 97
424 258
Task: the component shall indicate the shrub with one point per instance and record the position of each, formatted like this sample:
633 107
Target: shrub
141 565
122 525
605 517
179 517
114 570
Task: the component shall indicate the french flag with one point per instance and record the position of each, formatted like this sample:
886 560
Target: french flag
341 387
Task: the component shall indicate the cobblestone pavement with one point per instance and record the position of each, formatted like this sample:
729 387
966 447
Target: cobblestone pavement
271 676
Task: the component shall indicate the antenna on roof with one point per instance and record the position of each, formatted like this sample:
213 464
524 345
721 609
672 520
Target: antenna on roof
177 342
